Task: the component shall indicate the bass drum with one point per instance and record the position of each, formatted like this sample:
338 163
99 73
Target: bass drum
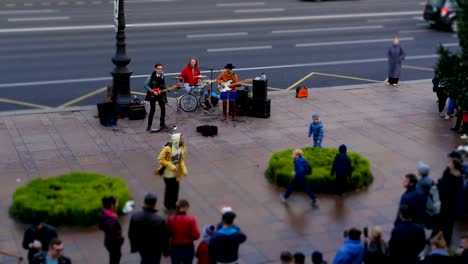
188 102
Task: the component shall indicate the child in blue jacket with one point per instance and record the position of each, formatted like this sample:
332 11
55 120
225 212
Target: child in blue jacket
316 130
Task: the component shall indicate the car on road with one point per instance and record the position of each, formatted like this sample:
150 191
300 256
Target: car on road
441 13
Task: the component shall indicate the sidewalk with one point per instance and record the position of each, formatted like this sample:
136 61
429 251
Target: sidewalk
393 127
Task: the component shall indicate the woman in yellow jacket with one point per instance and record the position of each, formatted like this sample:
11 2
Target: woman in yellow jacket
172 161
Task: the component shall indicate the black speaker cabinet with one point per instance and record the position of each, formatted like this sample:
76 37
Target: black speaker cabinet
106 112
259 89
243 104
136 112
260 108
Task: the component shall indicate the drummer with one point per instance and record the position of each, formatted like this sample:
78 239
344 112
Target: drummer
190 75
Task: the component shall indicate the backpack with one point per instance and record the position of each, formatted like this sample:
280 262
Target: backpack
307 167
302 92
433 201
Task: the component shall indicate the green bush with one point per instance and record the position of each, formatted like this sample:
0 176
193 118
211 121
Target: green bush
70 199
281 166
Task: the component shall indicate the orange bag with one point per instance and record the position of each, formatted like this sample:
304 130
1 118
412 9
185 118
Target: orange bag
302 92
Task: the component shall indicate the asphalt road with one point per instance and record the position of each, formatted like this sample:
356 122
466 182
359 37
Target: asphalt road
53 51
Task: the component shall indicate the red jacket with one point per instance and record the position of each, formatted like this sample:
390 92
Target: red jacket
187 75
202 254
182 229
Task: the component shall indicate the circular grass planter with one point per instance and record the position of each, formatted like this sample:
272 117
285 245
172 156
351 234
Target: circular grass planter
281 166
70 199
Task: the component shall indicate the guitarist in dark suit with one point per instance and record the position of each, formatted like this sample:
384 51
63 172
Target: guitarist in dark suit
156 79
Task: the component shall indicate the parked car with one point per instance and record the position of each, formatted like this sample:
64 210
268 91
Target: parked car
441 13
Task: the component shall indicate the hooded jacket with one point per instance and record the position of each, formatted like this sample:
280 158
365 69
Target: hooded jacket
224 245
342 164
166 154
316 129
352 252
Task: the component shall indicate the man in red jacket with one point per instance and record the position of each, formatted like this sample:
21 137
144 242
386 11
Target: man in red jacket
109 223
182 230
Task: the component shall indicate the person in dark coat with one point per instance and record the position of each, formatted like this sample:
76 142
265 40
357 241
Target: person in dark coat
395 55
450 186
342 167
37 237
462 251
53 254
147 233
407 239
224 244
441 94
414 198
439 251
109 223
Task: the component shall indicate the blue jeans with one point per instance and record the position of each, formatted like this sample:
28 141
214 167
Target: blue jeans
182 254
317 145
451 106
299 182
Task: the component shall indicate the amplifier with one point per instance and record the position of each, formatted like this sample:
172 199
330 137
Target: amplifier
106 112
136 112
243 103
260 108
259 89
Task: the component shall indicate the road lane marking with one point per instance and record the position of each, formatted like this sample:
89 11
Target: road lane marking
62 3
300 65
96 2
239 48
388 20
347 77
27 19
240 4
348 42
79 3
450 44
231 34
413 31
300 81
45 4
10 101
258 10
324 29
418 18
36 11
28 4
417 68
146 1
10 5
209 22
83 97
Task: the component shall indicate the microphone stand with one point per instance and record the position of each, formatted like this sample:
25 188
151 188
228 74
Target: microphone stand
211 82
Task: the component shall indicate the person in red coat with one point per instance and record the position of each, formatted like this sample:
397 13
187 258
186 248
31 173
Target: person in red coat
183 231
203 254
188 74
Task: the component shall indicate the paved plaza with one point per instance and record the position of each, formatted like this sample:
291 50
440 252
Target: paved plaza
393 127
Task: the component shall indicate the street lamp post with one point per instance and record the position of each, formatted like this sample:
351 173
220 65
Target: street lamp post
121 74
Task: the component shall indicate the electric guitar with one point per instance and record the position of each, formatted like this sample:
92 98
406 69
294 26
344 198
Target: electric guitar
227 85
158 90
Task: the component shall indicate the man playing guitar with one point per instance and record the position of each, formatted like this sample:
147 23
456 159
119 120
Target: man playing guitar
188 74
226 76
155 87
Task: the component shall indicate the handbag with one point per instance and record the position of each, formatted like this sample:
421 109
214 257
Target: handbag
160 171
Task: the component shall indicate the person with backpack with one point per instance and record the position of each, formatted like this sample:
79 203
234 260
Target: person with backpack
172 161
302 168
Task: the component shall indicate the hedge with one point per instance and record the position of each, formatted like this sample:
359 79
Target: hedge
281 166
70 199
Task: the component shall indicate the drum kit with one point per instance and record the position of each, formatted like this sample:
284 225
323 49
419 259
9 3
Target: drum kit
198 97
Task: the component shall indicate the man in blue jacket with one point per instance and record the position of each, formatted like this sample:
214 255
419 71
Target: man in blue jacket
224 244
414 198
352 252
299 178
342 168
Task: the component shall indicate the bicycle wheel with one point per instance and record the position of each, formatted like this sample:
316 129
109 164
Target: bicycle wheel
188 102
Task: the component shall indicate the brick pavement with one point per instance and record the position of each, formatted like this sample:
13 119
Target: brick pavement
393 127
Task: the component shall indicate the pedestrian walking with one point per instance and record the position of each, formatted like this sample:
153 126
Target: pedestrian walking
395 55
202 253
316 131
53 255
441 94
37 237
109 223
182 231
224 244
342 168
172 168
147 233
301 166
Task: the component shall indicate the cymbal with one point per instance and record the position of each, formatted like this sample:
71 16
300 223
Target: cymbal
200 76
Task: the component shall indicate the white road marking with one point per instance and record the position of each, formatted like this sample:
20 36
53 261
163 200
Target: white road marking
414 31
10 5
231 34
28 4
62 3
423 3
333 43
96 2
211 22
36 11
27 19
263 10
324 29
45 4
450 44
418 18
388 20
79 3
301 65
239 48
240 4
146 1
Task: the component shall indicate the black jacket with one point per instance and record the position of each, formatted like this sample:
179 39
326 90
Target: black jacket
438 259
224 245
44 235
416 199
155 81
341 164
406 242
449 187
113 238
147 232
40 258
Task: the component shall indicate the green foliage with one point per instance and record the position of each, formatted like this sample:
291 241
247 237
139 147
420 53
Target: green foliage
281 167
452 68
70 199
